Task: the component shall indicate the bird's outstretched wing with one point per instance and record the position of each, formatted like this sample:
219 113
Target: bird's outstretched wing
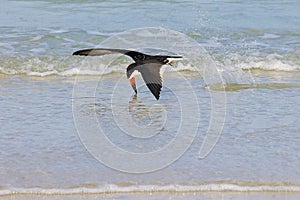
135 55
152 77
102 51
148 66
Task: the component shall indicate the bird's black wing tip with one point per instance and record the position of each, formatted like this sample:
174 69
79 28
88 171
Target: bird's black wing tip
157 95
79 53
155 89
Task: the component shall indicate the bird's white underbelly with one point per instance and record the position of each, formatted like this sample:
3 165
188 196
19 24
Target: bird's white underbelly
134 73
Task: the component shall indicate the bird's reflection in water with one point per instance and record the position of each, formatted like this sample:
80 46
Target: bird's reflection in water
145 113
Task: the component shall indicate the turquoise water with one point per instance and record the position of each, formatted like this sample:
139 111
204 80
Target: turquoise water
47 96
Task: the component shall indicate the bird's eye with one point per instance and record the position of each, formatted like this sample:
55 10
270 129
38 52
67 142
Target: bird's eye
166 61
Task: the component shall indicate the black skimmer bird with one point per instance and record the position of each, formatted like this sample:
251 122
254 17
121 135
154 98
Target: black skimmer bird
149 66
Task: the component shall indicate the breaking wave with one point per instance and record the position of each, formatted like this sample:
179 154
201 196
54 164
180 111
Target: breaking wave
94 66
108 189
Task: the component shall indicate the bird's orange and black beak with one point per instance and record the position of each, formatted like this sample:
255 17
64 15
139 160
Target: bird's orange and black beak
171 63
132 83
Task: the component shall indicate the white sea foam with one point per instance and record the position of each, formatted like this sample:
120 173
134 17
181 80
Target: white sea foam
269 36
70 66
108 189
100 33
59 31
37 38
256 44
38 50
270 62
270 65
71 72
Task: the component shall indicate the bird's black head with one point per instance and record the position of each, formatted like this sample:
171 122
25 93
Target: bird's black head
163 60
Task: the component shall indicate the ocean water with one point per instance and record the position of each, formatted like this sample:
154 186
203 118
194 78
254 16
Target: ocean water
226 125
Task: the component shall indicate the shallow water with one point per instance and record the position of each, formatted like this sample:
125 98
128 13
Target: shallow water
41 148
47 98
